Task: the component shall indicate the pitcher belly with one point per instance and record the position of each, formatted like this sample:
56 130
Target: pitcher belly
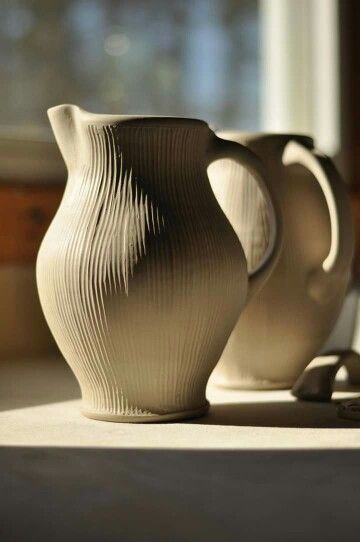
142 347
274 352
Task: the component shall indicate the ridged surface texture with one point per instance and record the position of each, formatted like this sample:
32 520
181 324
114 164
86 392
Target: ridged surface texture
244 205
140 276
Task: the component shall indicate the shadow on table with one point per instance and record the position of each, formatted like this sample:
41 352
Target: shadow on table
133 495
276 414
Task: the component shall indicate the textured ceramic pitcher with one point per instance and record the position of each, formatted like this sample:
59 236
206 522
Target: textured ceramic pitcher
287 322
140 275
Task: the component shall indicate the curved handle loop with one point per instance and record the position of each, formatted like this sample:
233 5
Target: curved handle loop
341 250
242 155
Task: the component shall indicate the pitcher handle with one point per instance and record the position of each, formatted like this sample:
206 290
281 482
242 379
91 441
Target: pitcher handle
340 255
221 149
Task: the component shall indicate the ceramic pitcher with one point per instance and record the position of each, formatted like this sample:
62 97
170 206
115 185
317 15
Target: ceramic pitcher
287 322
140 275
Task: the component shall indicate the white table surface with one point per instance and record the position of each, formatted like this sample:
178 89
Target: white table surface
259 466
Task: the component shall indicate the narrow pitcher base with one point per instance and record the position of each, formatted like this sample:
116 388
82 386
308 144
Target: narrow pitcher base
147 418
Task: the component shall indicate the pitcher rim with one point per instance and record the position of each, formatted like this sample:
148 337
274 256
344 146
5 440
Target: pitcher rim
107 118
260 135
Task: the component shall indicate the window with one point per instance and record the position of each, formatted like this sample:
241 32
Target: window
188 58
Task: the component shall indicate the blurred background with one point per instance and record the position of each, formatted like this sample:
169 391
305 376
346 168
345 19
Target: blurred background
278 65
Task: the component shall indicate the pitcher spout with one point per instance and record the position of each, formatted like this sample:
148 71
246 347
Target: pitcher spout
63 120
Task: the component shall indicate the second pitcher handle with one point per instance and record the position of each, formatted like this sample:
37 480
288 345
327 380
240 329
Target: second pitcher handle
338 259
245 157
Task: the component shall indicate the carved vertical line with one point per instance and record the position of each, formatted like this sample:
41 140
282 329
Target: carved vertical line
89 319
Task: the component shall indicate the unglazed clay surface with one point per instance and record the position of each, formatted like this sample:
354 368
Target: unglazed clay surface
140 275
245 207
317 382
286 322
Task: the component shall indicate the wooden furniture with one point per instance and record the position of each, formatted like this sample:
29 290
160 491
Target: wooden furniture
26 212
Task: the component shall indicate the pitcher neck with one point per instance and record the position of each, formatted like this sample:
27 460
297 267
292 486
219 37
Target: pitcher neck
137 139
